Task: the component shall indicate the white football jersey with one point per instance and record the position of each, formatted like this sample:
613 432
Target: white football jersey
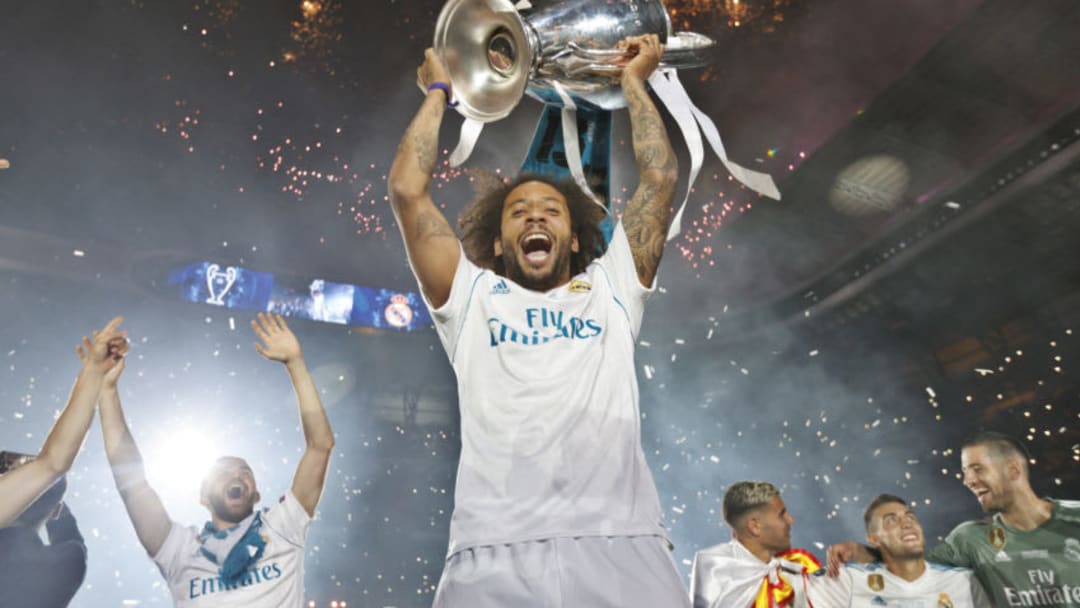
550 426
873 586
275 581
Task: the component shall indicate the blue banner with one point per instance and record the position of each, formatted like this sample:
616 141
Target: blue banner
314 299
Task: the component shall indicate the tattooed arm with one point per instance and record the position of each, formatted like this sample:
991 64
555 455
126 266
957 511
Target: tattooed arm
430 242
649 211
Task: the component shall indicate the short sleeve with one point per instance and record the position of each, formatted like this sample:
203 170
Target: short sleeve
618 266
450 316
824 591
170 557
289 520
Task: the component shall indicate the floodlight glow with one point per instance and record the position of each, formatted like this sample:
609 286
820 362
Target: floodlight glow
177 462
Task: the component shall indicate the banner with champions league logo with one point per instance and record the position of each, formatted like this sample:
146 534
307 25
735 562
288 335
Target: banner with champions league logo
315 299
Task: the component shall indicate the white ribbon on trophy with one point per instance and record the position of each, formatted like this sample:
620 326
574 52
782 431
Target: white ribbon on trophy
558 60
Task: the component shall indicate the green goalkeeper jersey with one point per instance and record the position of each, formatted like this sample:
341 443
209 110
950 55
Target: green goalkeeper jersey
1017 568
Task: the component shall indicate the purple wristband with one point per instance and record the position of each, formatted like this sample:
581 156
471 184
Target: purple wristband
445 88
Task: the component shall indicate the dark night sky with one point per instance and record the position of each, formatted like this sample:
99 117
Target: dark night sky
152 134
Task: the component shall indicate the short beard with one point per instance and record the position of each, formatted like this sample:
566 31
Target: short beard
780 547
996 505
221 511
515 273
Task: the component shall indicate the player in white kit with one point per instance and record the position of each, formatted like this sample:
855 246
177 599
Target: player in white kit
554 504
757 567
903 578
242 556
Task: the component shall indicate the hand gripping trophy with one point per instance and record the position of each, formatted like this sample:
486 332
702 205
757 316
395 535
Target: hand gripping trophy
563 53
554 503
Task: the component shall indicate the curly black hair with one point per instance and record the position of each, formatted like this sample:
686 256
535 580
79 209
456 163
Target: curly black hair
480 223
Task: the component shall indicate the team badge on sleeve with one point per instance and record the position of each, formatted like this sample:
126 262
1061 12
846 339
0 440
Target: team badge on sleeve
943 601
997 538
876 582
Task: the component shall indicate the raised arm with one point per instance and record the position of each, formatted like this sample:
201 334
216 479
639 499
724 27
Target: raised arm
279 344
648 213
429 240
22 486
147 514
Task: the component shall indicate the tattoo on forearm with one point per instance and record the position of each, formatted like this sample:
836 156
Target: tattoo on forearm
651 145
431 226
645 224
425 139
649 211
420 144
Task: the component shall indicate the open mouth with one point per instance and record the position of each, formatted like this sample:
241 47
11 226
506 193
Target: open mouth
536 247
235 492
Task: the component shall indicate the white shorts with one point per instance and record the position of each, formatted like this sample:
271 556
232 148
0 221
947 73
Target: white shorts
583 572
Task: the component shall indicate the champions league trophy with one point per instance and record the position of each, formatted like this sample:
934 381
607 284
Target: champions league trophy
562 53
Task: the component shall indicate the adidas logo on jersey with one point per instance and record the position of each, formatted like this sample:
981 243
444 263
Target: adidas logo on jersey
500 288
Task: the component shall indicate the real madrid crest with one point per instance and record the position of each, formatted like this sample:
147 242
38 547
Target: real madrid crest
876 582
398 313
943 601
997 537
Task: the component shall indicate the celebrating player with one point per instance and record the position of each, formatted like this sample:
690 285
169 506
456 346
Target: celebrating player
242 556
758 566
554 503
20 486
1027 553
903 577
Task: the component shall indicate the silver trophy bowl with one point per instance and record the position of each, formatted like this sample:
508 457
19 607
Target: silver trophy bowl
495 53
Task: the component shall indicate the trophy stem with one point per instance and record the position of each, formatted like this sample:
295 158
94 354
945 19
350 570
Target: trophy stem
547 152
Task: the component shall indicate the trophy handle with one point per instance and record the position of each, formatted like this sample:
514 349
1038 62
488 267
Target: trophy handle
684 50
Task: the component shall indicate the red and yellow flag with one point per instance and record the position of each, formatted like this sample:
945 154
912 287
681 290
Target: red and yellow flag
782 594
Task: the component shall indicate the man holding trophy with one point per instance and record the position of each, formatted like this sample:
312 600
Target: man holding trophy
554 504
